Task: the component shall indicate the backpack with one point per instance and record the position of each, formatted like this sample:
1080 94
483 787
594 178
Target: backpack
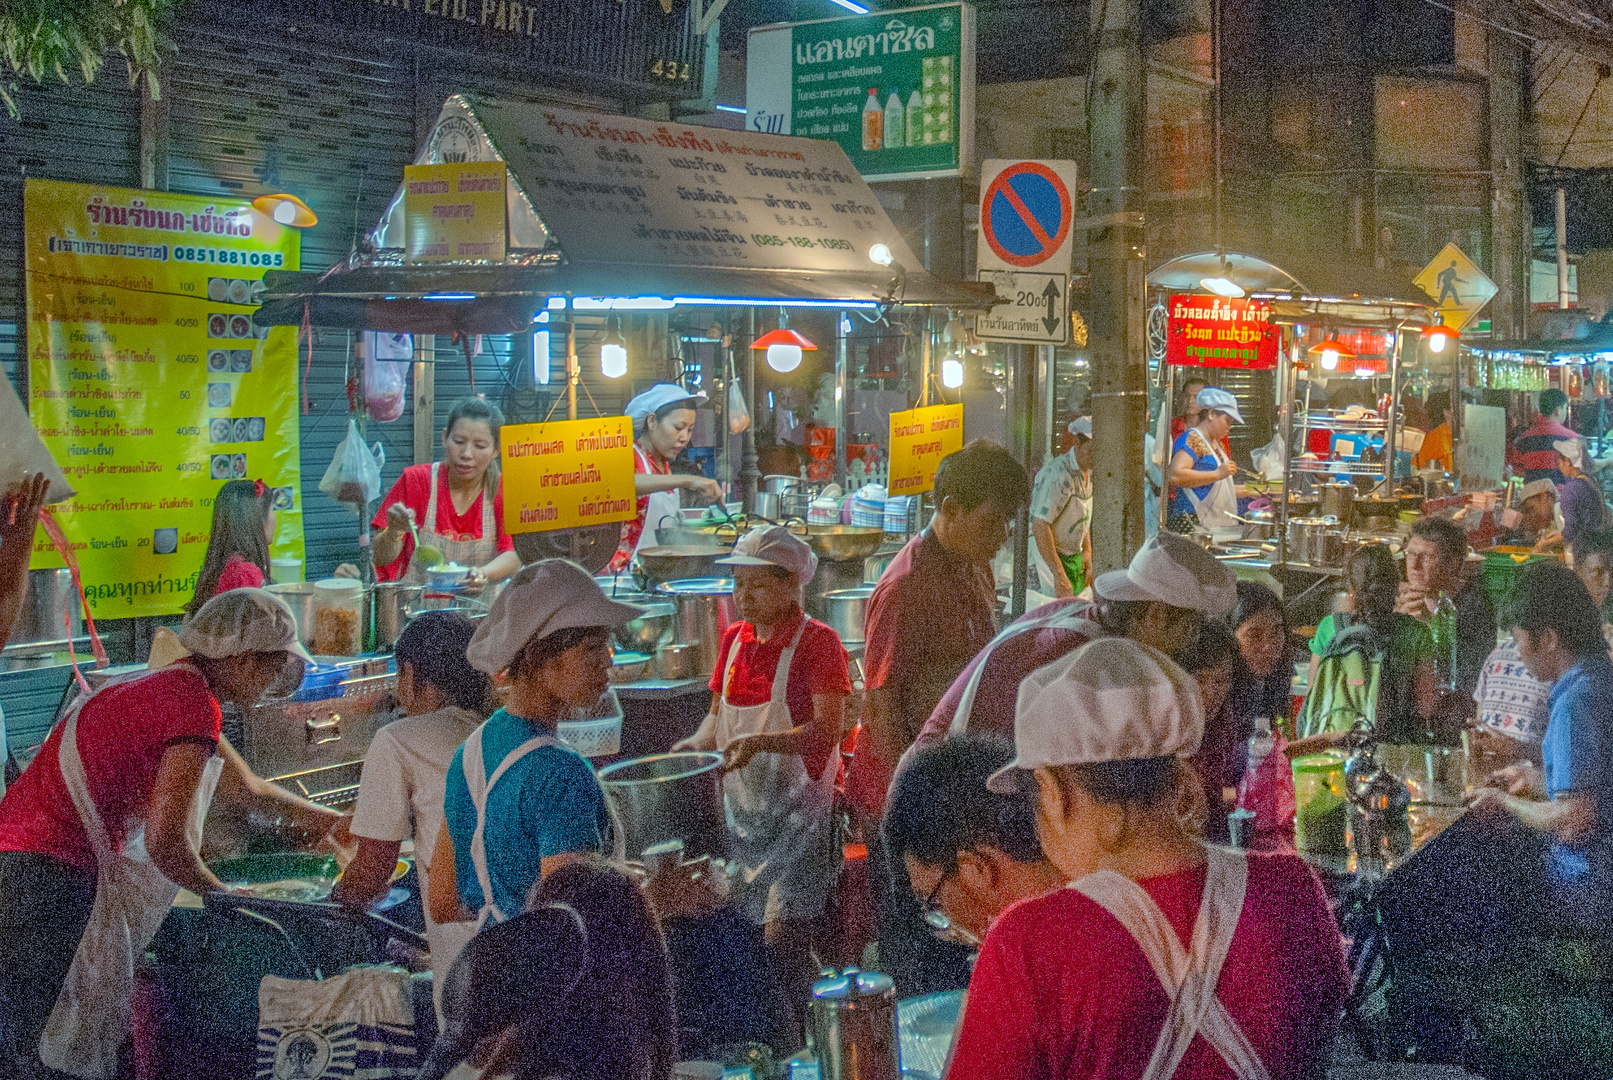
1347 684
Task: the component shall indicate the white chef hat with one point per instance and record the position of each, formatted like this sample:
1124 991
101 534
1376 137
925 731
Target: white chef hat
654 400
545 597
242 621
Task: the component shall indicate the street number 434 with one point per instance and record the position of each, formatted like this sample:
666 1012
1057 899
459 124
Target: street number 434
670 69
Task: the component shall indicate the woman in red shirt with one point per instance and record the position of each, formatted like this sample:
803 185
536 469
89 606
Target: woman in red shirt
663 418
778 697
238 549
456 504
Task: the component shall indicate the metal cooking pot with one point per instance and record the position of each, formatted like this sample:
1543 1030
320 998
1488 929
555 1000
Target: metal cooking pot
778 484
1313 541
663 564
299 597
1262 525
1338 500
644 633
843 543
49 607
704 609
769 506
392 600
845 610
669 797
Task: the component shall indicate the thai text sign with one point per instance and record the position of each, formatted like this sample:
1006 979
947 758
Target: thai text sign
920 438
895 89
567 474
150 384
454 213
1217 332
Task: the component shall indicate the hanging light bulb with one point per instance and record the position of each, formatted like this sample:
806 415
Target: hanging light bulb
1438 335
1329 352
880 255
951 372
613 352
784 346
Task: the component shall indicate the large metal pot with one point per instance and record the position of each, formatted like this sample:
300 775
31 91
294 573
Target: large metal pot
1338 500
1262 525
846 610
299 597
50 610
781 485
663 564
769 506
647 631
392 600
669 797
1314 541
704 609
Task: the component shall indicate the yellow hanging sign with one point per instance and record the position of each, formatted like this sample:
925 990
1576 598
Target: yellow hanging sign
567 474
454 213
920 438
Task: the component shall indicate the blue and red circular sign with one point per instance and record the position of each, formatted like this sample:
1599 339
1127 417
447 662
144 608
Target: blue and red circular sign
1025 214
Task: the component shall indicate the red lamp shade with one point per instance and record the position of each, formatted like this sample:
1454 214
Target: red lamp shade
782 336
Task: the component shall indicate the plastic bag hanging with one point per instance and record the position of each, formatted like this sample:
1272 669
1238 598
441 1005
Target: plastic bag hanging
354 475
386 373
738 412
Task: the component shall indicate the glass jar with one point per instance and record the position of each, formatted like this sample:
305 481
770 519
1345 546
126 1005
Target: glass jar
338 617
1321 808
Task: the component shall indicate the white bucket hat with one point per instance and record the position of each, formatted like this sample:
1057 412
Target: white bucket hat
548 596
243 621
1173 570
1573 450
1113 699
774 545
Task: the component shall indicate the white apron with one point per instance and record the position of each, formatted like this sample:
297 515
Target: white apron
464 552
90 1022
1218 509
1189 978
779 818
662 506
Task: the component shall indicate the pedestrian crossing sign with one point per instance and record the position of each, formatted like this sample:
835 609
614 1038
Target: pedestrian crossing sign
1458 287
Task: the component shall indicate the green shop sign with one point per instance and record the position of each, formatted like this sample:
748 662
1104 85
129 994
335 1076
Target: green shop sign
895 89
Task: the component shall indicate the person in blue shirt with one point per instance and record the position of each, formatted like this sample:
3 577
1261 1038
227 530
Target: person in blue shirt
1559 634
518 804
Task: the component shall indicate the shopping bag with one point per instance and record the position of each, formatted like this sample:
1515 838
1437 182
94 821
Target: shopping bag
386 373
356 1026
738 411
354 475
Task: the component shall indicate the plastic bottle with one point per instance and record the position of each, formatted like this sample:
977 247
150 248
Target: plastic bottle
1241 822
915 119
1443 626
873 121
895 126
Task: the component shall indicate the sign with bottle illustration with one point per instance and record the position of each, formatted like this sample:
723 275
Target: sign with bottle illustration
150 383
567 474
895 88
920 438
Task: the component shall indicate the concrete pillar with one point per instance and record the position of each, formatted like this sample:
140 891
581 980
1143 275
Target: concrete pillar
1510 241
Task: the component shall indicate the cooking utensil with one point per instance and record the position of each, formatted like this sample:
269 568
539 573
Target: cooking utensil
846 610
647 631
705 608
843 543
674 661
676 563
1338 500
1309 543
299 597
769 505
629 667
854 1026
778 484
425 556
392 600
669 797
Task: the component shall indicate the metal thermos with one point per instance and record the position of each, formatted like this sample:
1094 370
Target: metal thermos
854 1026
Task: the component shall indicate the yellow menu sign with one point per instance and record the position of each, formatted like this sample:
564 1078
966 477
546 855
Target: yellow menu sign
920 438
567 474
150 383
454 213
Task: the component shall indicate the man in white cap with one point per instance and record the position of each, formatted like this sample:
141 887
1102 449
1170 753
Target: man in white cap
663 419
1161 600
1538 503
1201 468
139 758
1578 495
778 698
1061 515
1200 958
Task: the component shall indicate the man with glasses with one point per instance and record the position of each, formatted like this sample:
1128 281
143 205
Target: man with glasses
968 852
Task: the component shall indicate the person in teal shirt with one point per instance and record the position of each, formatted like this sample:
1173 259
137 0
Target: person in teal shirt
519 804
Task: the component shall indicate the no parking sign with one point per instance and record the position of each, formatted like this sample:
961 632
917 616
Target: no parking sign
1027 214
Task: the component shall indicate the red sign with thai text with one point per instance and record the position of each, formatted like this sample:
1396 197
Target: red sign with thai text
1217 332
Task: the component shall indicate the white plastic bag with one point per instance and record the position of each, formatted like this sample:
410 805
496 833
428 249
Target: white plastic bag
386 373
738 411
22 452
360 1024
354 475
1268 460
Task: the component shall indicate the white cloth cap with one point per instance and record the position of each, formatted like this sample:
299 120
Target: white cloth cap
1213 397
242 621
656 397
1173 570
1081 425
1542 486
1113 699
774 545
1573 450
547 596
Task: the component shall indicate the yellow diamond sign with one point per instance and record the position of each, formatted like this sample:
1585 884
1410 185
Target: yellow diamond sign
1458 287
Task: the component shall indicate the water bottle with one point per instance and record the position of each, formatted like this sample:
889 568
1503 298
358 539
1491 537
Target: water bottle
1443 627
1241 822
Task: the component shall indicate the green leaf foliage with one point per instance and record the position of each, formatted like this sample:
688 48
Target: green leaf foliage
61 39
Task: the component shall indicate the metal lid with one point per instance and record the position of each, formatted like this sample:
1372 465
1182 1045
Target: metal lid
700 586
852 984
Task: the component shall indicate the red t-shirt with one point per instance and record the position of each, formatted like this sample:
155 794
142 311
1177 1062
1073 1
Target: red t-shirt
1063 992
238 573
413 490
819 667
927 618
1008 664
122 734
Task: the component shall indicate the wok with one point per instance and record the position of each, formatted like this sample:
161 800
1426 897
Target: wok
843 543
674 563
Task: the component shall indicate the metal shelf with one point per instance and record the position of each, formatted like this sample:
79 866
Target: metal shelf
1351 468
1347 426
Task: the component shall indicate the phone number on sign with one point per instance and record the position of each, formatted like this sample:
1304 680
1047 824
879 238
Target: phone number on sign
230 257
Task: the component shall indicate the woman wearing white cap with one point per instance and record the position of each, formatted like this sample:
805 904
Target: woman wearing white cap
1061 515
1164 957
778 697
519 804
1201 468
102 830
663 422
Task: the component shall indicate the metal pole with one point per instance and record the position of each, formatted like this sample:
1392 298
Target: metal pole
1116 111
924 359
749 474
573 372
1022 440
1391 434
842 348
1562 248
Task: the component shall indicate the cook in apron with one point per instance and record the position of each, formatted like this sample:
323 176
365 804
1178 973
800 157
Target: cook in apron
663 505
464 552
90 1022
1076 511
780 826
1219 508
1189 978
